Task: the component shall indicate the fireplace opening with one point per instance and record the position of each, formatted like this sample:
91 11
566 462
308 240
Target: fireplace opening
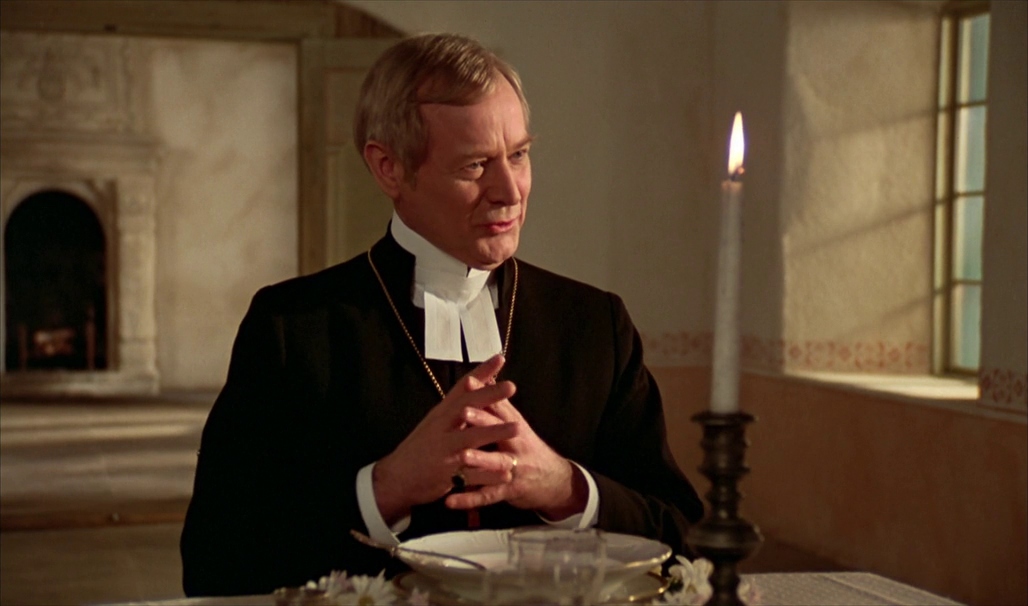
55 266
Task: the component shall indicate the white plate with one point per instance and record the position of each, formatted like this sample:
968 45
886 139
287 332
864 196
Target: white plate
641 589
629 557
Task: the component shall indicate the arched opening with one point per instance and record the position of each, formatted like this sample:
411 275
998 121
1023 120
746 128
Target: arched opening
56 295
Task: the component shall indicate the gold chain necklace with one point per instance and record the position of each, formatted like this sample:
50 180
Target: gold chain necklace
424 362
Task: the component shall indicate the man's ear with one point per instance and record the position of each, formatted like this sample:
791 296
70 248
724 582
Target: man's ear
385 167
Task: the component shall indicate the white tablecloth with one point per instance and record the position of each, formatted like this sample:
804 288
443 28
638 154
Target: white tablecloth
775 589
839 589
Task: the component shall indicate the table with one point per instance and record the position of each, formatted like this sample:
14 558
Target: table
776 589
839 589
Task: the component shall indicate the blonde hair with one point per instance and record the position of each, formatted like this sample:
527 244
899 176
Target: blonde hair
431 68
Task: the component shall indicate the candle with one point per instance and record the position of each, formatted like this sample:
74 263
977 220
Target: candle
724 397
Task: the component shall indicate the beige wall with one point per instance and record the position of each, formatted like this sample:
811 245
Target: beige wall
750 41
1005 292
224 114
856 203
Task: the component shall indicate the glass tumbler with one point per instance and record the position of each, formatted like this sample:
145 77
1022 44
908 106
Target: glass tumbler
557 566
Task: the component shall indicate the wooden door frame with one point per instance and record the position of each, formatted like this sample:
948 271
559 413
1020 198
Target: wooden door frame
302 23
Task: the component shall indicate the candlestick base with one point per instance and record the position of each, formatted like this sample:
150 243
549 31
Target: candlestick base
722 536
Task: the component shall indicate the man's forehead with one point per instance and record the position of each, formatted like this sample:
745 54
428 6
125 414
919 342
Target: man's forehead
458 144
469 129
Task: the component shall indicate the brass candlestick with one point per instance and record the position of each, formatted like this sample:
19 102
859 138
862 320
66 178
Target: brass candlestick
723 537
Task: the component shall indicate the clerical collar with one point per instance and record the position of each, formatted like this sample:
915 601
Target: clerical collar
457 300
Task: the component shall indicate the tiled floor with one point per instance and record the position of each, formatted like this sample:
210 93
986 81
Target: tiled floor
92 496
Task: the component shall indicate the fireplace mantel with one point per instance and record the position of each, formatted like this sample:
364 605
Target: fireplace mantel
116 176
71 123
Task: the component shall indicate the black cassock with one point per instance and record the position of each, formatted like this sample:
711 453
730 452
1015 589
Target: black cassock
323 381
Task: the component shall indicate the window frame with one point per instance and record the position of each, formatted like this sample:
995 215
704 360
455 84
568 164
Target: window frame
952 16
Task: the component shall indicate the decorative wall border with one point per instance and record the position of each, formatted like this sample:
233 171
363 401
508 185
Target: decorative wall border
1003 388
679 348
684 348
999 387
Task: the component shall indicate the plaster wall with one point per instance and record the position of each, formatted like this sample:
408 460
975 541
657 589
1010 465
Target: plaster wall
749 55
1004 358
856 203
661 185
225 116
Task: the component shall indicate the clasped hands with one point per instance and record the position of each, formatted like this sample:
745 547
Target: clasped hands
523 470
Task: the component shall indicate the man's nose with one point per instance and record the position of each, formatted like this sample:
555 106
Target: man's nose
503 185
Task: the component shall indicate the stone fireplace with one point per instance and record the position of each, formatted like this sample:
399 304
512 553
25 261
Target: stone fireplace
55 254
70 129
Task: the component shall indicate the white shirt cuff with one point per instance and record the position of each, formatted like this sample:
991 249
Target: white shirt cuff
377 527
590 515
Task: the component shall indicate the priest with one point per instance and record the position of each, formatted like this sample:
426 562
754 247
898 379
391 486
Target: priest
435 382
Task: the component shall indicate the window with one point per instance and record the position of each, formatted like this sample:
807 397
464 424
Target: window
960 186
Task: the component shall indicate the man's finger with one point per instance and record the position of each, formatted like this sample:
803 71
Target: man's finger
485 373
499 462
478 417
505 411
474 417
476 437
480 398
483 477
487 495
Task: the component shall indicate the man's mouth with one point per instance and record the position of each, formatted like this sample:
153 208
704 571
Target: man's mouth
499 227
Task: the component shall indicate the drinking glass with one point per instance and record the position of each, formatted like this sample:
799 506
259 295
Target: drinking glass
550 566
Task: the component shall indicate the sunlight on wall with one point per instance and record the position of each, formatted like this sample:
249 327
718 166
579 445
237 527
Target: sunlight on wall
225 113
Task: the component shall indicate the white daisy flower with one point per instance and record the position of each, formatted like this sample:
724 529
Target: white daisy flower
695 589
694 576
368 591
335 584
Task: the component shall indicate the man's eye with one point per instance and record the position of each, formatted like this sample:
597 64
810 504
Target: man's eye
475 166
519 155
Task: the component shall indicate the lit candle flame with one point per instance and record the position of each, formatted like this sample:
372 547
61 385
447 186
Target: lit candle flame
737 146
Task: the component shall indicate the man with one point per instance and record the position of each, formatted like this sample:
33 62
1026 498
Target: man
435 383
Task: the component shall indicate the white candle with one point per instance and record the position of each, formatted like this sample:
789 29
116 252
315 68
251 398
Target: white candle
724 397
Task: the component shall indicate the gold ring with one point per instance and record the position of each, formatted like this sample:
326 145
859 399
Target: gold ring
513 464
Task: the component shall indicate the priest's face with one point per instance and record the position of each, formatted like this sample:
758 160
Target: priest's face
470 195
